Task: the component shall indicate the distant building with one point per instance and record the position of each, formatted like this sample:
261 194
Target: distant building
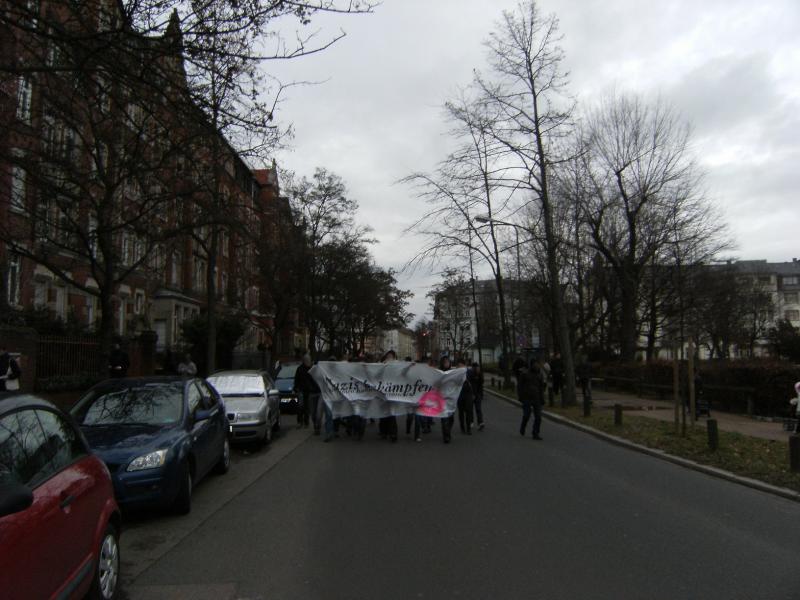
400 340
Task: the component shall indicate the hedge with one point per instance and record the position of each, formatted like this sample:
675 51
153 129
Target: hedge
727 384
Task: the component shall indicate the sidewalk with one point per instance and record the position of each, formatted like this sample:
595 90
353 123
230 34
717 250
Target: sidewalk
665 411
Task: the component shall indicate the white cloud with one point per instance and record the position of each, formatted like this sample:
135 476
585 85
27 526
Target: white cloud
729 66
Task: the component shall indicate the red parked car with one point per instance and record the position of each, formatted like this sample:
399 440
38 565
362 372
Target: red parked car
59 522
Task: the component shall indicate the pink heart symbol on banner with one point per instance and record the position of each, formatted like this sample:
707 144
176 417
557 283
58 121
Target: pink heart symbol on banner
431 404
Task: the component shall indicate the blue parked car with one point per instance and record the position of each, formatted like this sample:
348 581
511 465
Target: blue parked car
159 436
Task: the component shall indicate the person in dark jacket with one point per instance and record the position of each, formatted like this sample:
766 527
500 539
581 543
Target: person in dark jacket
9 369
530 391
308 393
465 401
475 376
447 422
118 362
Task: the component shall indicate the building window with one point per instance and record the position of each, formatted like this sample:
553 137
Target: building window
92 236
138 303
790 297
139 249
24 94
126 250
18 184
199 282
91 311
792 315
790 280
177 265
13 279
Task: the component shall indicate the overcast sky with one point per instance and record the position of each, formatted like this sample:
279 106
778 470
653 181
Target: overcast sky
730 67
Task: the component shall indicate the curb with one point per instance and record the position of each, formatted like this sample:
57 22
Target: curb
660 454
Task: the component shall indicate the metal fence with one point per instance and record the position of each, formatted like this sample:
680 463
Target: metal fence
59 356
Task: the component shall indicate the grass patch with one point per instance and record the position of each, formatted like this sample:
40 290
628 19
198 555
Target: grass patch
765 460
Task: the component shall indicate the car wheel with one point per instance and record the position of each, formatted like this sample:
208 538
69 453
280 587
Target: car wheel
183 501
106 575
224 464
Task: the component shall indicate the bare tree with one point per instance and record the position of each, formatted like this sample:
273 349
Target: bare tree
647 202
470 199
526 89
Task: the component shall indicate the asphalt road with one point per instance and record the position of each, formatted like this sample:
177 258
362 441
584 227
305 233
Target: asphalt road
493 515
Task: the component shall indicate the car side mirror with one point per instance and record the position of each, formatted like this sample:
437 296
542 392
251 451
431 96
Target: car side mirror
14 497
202 415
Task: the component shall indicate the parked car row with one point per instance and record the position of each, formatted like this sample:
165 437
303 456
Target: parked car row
127 443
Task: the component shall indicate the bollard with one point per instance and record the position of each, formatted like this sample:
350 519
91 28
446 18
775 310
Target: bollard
618 414
493 382
794 453
713 434
587 406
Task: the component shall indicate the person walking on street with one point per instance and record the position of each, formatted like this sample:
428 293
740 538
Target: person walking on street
9 371
118 362
307 391
530 391
187 368
465 401
476 379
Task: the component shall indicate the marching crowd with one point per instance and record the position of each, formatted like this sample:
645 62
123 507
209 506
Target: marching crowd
313 410
532 377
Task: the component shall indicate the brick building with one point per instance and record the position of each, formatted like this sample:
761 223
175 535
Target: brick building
107 173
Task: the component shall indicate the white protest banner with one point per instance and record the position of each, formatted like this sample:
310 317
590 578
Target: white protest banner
376 390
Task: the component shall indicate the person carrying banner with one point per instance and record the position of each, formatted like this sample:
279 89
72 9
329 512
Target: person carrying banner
447 422
387 426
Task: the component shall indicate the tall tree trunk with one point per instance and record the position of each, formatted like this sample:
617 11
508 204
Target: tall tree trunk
211 301
106 329
627 318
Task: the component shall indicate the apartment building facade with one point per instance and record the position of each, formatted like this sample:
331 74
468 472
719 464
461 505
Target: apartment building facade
106 193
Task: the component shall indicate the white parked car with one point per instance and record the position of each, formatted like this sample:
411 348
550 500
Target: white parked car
252 404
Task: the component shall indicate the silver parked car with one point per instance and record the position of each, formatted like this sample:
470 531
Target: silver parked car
252 404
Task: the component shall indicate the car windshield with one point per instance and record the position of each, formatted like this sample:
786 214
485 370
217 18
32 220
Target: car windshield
287 371
160 404
238 385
